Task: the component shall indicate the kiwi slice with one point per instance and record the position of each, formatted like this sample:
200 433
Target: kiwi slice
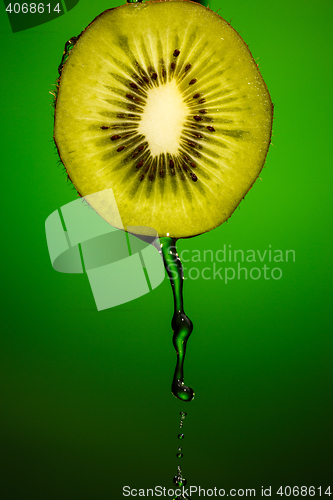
163 103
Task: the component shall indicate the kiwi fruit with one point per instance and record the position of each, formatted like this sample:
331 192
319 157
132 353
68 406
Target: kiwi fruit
163 103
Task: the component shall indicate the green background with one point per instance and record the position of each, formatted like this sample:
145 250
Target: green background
86 406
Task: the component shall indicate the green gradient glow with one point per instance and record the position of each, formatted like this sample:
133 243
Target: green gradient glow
85 395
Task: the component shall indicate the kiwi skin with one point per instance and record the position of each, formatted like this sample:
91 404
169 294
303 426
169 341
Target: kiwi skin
63 64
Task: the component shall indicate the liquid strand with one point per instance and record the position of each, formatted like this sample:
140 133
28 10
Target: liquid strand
181 324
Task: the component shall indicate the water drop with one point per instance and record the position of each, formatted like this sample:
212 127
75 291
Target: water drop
179 455
181 436
179 480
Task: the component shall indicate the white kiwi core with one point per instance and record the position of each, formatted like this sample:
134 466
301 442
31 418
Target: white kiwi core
163 118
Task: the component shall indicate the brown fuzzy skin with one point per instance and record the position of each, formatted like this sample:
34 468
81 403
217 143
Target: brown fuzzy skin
153 2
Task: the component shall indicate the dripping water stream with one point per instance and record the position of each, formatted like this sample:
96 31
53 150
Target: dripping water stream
182 328
181 324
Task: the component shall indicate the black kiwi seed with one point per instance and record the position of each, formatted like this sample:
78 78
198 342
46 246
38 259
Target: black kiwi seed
171 163
154 76
139 165
120 148
173 65
196 96
115 137
194 80
193 165
104 127
141 177
116 126
211 129
194 177
197 118
187 67
202 101
145 79
203 111
176 53
133 85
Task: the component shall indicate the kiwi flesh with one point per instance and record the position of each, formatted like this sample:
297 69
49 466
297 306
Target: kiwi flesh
163 103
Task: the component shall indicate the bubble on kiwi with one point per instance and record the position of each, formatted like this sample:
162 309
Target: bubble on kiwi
163 103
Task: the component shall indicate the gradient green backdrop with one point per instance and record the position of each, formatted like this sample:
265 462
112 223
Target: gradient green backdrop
86 406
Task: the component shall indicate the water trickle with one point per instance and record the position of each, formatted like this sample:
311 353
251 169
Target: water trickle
179 480
181 324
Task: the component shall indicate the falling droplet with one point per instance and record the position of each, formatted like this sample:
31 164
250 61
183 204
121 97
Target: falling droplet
181 325
179 455
179 480
181 436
